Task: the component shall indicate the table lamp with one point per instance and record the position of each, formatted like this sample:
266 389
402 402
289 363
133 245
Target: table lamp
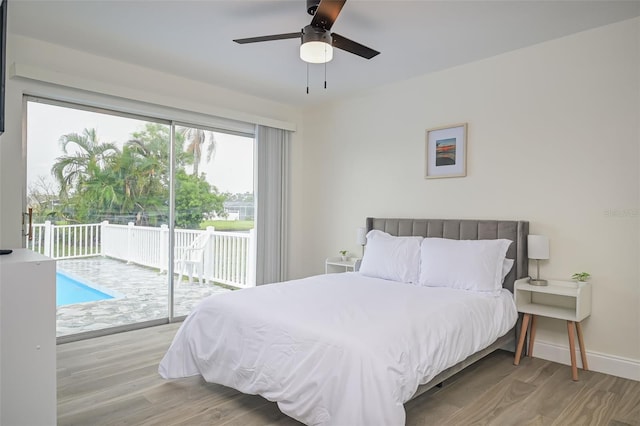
361 237
538 248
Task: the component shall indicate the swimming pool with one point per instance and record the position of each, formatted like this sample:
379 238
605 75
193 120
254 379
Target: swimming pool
70 291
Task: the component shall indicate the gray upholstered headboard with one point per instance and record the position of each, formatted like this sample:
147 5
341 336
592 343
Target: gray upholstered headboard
466 229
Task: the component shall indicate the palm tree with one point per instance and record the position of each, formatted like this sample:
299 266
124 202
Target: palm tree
147 156
84 155
145 180
97 197
196 140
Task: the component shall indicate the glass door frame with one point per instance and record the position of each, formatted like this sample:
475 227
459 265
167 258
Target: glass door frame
235 128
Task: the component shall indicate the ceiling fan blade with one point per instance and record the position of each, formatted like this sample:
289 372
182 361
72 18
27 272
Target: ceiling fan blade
268 38
353 47
327 13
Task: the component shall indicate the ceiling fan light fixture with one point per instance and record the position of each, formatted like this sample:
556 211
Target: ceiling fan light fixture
316 45
316 52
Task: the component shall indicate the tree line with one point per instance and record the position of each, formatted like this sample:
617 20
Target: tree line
99 181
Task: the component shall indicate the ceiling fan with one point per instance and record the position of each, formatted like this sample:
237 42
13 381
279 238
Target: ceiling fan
317 41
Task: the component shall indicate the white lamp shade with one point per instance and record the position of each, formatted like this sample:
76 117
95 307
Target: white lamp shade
538 246
316 52
361 236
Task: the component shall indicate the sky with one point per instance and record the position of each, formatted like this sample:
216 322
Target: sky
230 170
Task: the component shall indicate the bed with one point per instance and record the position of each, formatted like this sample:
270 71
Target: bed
352 348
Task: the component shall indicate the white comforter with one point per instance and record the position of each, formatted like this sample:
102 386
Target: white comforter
339 349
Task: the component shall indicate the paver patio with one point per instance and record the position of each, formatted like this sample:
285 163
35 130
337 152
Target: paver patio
141 295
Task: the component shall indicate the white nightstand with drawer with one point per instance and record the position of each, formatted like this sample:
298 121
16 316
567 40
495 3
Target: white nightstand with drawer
565 300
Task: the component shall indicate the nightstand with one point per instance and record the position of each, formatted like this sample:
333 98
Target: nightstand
565 300
336 264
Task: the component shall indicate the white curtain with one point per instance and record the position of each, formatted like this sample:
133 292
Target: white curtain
272 203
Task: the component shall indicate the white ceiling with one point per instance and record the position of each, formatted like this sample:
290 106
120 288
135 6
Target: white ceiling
193 39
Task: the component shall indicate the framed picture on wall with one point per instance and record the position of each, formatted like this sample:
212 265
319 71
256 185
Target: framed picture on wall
446 151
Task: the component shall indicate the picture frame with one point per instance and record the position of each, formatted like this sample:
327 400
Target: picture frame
446 151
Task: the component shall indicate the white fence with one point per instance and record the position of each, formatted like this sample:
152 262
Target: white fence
227 257
66 242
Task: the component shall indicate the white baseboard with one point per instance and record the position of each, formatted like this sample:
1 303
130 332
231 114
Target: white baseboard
602 363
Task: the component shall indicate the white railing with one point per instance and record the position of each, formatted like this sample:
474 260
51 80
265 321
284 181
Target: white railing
228 257
67 241
142 245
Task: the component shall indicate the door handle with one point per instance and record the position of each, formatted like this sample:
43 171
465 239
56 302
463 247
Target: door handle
29 214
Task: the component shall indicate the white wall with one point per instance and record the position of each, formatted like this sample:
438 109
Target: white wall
553 138
86 79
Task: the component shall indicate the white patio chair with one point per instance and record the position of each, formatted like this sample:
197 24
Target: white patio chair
191 261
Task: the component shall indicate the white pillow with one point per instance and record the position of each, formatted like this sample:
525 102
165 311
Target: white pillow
463 264
506 268
391 258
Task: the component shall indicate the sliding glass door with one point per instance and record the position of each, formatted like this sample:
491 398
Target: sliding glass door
214 214
100 186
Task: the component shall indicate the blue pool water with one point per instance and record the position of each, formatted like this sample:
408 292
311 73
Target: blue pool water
70 291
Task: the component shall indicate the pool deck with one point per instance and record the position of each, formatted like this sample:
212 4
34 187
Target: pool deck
141 295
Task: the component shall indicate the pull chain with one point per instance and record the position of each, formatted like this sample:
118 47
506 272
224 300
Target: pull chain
325 75
325 66
325 71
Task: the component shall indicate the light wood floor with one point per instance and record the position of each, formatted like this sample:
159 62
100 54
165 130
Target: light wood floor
113 380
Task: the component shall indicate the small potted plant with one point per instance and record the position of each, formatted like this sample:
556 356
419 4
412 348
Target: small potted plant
343 255
581 277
